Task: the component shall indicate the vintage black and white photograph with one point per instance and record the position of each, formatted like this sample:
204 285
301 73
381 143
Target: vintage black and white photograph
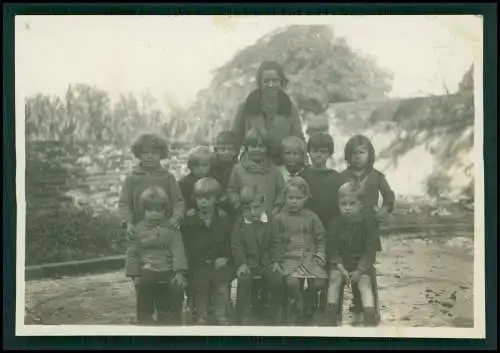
250 175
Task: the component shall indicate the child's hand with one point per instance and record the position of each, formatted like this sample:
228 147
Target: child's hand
173 223
191 212
135 279
221 261
345 274
381 214
180 280
355 276
277 267
319 261
243 269
130 231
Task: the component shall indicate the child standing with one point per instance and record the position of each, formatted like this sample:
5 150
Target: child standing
207 235
156 261
226 150
255 169
294 156
322 181
298 248
360 157
352 247
199 163
149 149
251 239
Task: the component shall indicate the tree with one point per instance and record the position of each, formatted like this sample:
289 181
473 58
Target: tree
322 70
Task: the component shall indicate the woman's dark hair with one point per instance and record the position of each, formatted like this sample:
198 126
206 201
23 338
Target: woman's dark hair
321 140
150 140
356 141
271 65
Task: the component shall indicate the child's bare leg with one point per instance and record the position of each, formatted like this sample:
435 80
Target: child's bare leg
294 288
314 285
367 298
335 283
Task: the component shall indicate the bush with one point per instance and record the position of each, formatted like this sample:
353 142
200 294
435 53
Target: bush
67 233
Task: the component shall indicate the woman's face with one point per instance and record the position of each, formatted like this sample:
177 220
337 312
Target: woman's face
270 82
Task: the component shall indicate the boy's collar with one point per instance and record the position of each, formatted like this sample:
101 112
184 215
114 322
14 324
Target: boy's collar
263 218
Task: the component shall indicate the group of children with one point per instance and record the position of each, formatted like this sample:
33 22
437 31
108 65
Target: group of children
293 236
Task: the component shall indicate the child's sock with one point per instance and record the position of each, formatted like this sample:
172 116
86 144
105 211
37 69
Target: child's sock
370 316
331 316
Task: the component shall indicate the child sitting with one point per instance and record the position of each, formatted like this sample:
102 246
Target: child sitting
207 236
156 261
149 149
298 249
226 150
255 169
199 163
250 243
352 248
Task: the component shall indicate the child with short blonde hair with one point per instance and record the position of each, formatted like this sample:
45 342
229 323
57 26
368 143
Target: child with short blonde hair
156 261
298 249
207 236
352 247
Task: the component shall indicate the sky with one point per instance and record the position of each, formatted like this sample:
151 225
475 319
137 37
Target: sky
175 55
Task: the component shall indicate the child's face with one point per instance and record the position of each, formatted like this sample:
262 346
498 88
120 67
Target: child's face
257 153
201 168
253 210
226 152
295 199
150 158
205 203
359 157
154 214
319 156
291 157
350 207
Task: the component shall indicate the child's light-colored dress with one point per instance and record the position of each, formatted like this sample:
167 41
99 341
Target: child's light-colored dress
298 244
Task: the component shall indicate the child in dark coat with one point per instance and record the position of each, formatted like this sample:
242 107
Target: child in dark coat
149 149
156 261
226 150
251 240
199 164
360 158
207 236
352 246
323 182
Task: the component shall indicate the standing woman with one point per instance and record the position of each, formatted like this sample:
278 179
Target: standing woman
269 110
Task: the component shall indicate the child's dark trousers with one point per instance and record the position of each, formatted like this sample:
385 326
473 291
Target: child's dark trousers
155 290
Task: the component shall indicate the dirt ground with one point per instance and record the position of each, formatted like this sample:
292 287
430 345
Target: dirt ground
422 282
